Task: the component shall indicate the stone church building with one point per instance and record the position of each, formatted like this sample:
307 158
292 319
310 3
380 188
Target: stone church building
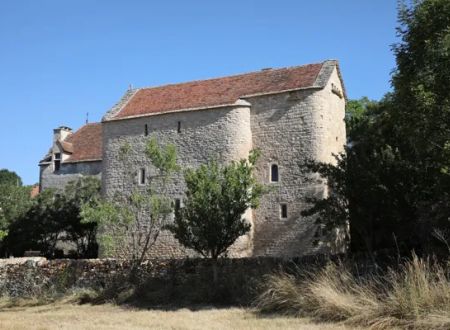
289 114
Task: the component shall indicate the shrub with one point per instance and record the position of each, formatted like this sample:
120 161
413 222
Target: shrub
415 296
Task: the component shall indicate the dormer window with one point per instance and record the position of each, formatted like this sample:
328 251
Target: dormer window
57 162
274 175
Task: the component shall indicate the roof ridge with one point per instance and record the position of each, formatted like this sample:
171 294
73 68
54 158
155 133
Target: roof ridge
211 92
233 75
85 125
81 127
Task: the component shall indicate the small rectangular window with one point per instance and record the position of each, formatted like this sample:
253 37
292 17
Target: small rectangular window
146 130
283 211
57 162
179 127
142 178
274 175
177 204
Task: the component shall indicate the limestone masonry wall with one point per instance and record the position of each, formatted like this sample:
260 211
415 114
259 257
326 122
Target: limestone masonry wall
68 172
288 127
163 281
284 128
222 133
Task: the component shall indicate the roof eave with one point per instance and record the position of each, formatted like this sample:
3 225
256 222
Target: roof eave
73 161
82 161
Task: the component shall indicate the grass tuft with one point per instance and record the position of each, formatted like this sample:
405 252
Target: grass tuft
415 296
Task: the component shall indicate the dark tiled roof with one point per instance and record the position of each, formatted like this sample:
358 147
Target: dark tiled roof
218 91
86 143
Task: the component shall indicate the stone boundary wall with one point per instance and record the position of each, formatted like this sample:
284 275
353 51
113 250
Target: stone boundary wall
166 281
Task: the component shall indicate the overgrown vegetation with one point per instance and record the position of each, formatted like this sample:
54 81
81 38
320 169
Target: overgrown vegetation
52 223
414 296
15 199
392 186
217 197
393 183
129 224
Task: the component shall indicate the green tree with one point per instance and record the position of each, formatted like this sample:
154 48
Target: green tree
15 199
130 223
355 111
216 199
9 178
421 103
54 217
393 184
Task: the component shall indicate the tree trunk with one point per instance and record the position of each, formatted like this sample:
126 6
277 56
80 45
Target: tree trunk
215 273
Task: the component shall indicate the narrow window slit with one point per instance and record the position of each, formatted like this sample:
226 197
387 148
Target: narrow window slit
284 212
179 127
142 178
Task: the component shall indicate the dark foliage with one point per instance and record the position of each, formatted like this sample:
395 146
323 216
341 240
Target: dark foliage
9 178
54 218
393 184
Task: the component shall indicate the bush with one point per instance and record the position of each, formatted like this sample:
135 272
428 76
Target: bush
415 296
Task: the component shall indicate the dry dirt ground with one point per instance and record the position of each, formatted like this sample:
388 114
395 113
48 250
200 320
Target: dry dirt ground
71 316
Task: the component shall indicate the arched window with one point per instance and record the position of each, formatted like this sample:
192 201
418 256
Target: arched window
274 175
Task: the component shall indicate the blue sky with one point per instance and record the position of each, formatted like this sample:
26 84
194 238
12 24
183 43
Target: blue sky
62 59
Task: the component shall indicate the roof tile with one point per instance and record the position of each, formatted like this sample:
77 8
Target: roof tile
218 91
86 143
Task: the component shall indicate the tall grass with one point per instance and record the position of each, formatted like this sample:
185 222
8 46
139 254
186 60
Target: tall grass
414 296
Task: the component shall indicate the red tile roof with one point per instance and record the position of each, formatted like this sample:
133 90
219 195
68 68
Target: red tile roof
218 91
86 143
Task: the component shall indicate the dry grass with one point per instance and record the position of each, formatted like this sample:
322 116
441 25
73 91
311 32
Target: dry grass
417 296
64 315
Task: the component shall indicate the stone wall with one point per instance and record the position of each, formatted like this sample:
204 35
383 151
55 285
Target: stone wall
284 129
222 133
290 128
162 281
68 172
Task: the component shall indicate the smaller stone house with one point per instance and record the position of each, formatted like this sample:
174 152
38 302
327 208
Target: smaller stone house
72 155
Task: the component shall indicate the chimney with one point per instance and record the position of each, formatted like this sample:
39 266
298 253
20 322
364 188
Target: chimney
61 133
